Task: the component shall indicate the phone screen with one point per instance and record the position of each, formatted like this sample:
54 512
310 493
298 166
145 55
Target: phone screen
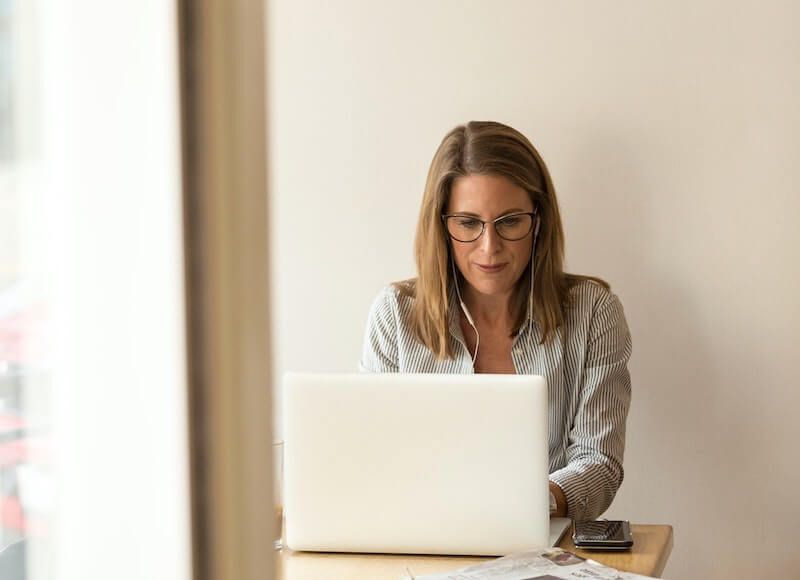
603 533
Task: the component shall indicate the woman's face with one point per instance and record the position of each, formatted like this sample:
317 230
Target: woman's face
491 265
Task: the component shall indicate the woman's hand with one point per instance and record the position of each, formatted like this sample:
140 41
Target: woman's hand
561 501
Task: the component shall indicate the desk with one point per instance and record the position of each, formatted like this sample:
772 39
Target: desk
652 547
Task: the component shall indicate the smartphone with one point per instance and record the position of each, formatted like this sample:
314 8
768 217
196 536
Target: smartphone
603 535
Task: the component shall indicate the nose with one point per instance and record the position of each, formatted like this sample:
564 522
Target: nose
490 242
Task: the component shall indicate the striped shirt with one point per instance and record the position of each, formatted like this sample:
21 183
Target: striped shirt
584 362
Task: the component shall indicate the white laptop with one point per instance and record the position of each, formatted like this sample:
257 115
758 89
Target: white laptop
416 464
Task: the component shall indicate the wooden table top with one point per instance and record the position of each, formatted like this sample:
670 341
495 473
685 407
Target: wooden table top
652 547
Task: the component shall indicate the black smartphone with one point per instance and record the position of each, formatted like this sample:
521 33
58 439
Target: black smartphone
603 535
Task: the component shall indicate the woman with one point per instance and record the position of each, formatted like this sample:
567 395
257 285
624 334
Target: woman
491 296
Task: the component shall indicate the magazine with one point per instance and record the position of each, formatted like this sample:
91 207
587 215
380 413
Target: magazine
550 564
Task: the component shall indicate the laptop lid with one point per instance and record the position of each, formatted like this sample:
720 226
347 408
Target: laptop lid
415 463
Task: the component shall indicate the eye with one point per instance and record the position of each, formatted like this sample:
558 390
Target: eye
510 221
467 222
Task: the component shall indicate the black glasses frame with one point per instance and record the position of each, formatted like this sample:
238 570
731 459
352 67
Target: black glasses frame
534 216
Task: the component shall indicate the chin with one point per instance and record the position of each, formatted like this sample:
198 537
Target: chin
491 287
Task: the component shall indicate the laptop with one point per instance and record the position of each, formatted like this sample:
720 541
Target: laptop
416 464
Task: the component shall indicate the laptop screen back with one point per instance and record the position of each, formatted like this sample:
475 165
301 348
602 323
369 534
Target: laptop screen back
415 463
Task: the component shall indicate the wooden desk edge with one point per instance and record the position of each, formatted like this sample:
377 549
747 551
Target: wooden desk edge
661 563
658 565
649 556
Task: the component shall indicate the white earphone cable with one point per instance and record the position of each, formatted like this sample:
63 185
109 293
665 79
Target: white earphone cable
533 264
466 311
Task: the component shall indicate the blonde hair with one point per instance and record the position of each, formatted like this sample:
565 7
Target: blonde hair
487 147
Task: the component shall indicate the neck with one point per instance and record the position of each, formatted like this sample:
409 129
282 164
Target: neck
489 311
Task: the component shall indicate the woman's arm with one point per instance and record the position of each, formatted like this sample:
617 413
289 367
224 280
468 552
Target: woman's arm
594 472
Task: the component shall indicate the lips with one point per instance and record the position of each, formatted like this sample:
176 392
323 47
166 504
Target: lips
491 269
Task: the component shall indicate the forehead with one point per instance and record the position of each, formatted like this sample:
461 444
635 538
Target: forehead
487 196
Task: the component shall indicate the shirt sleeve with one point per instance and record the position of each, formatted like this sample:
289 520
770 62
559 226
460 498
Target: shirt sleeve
593 473
379 353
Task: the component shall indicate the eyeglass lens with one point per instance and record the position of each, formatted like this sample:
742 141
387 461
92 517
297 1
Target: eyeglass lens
468 229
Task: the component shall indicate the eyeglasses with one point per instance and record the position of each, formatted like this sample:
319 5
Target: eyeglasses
511 227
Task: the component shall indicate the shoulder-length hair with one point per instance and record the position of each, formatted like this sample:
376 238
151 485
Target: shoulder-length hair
486 147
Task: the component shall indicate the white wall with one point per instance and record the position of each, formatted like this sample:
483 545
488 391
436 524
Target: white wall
672 130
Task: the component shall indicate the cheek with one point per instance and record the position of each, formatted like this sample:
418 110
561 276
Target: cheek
461 256
458 255
523 254
522 257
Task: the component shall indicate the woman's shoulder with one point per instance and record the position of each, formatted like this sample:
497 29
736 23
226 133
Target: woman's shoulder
596 314
394 298
589 294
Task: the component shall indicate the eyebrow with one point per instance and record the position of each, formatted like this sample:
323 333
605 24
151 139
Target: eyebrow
505 213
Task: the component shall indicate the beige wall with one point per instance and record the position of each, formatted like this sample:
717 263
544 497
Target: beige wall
672 130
